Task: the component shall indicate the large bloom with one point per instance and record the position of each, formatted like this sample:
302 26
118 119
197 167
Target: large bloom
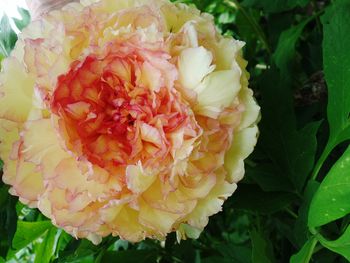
125 117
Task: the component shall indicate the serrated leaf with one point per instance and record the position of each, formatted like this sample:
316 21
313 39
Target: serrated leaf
341 245
25 19
305 253
273 6
27 232
46 249
261 248
331 200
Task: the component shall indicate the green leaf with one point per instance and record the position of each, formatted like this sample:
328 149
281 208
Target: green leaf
252 198
305 253
27 232
285 51
331 201
47 247
336 57
8 37
261 249
130 256
273 6
25 19
340 246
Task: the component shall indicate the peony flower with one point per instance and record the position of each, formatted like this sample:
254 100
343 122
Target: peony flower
126 117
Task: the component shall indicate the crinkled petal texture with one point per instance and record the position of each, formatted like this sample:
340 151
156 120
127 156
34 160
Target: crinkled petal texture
126 117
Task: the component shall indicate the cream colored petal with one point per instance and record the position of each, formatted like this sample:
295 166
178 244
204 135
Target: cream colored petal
8 136
138 180
159 220
69 176
251 108
201 189
194 64
16 91
28 183
150 77
150 134
217 91
211 204
41 146
226 51
243 144
127 225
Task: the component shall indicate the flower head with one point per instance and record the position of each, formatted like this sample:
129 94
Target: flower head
125 117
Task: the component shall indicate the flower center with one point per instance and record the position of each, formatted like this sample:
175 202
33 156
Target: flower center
112 116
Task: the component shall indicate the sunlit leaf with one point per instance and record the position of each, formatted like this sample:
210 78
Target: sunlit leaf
336 57
47 247
27 232
305 253
331 201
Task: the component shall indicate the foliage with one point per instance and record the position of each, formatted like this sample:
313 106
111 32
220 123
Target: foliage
293 204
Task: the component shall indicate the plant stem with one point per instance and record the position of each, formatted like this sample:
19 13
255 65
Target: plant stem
311 251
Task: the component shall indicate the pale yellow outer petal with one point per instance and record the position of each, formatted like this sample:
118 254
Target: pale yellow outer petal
137 179
16 91
194 64
243 145
217 91
212 203
9 135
